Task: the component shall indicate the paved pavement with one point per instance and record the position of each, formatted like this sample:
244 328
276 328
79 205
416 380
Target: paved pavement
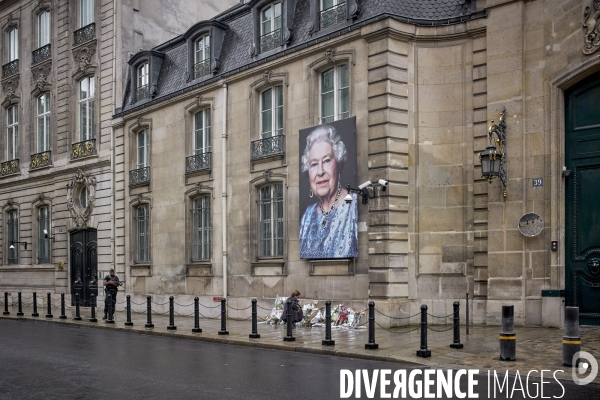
537 348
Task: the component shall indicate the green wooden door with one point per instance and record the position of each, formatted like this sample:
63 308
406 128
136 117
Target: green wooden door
582 203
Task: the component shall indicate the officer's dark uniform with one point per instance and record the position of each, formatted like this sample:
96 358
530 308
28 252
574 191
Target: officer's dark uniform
111 291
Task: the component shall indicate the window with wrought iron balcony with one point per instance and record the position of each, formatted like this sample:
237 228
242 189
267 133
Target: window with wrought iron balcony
202 57
12 66
142 91
271 143
141 175
201 159
42 53
332 12
87 31
11 166
270 27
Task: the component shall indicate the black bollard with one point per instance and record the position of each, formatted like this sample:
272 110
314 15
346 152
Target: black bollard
371 345
223 330
328 341
62 307
35 313
49 315
456 342
196 328
109 301
289 337
149 323
423 351
254 334
77 313
6 312
508 338
571 340
128 322
20 304
171 326
93 305
467 314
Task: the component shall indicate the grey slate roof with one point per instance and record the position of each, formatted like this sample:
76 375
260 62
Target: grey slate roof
235 55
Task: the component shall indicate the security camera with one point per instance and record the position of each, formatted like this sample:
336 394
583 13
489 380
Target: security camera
348 198
45 234
364 185
12 247
383 184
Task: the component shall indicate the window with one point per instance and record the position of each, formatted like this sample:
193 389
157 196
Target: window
335 102
202 132
201 234
13 237
202 57
143 147
83 198
86 109
271 112
332 12
12 133
43 28
43 230
43 123
271 220
270 27
86 14
142 81
13 44
142 238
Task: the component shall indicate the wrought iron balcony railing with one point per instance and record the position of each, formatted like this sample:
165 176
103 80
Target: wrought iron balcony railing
270 41
333 15
84 34
201 68
268 147
139 176
10 69
198 162
41 54
9 167
142 93
40 160
83 149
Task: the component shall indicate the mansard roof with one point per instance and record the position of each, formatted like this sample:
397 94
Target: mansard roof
237 23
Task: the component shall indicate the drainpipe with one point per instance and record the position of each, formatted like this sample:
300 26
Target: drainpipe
112 140
224 185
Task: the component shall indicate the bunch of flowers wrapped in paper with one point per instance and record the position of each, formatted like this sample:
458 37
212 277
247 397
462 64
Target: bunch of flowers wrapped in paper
341 316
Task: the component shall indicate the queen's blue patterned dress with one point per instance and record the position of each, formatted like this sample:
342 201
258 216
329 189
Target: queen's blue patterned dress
337 239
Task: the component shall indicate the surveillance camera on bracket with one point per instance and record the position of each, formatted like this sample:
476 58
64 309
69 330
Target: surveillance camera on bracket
383 184
348 198
365 185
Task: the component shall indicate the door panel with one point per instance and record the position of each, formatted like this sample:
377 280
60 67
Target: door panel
84 266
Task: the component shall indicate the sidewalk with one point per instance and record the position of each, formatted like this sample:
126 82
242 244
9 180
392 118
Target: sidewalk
537 348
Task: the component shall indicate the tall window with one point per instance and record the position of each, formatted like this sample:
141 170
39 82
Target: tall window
43 242
13 237
201 228
43 28
202 132
202 49
43 123
142 237
12 133
142 81
270 27
335 101
143 149
86 109
13 44
271 112
86 14
271 220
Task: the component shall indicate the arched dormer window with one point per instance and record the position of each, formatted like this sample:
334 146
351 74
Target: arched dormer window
204 42
270 27
142 81
332 14
144 68
273 22
202 56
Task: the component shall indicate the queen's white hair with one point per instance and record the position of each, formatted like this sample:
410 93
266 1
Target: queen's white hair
325 133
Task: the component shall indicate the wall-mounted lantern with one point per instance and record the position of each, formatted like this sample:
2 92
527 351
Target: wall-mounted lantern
493 159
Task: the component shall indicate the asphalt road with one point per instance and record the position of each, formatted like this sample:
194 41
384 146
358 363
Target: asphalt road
51 361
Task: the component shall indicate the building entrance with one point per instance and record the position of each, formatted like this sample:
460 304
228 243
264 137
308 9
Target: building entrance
84 266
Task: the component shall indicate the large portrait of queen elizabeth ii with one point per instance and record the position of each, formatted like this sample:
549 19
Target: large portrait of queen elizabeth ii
328 224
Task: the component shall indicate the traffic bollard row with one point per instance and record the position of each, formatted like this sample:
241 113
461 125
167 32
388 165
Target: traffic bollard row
35 313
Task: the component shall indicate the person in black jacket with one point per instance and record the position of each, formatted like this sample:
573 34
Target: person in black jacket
297 314
111 286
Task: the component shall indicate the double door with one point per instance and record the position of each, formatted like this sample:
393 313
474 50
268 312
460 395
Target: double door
84 266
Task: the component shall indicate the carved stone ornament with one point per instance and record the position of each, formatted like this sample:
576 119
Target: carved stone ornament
330 55
40 77
591 40
81 215
83 56
9 87
267 76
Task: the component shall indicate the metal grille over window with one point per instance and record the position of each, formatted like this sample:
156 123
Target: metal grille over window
41 54
271 220
83 149
13 237
84 34
202 57
43 242
267 147
334 12
139 176
201 228
270 27
10 69
142 219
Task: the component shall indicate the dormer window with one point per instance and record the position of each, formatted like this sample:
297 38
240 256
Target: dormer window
332 12
144 68
270 27
202 56
142 81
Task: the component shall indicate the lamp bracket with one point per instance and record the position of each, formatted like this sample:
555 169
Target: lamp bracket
499 130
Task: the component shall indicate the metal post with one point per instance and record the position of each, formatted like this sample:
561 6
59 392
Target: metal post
423 351
20 310
77 314
93 305
128 322
456 344
109 300
508 338
223 330
171 326
196 328
62 307
254 334
289 337
328 341
35 313
371 345
49 315
571 340
6 312
149 323
467 313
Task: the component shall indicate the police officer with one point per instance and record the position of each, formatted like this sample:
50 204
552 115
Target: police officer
111 286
